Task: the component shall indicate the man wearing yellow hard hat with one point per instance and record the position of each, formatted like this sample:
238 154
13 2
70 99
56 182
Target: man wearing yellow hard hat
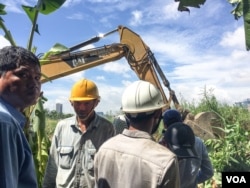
76 140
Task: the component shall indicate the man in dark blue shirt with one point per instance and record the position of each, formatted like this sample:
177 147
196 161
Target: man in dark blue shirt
20 87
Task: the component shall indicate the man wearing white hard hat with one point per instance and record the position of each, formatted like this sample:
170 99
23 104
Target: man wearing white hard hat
133 158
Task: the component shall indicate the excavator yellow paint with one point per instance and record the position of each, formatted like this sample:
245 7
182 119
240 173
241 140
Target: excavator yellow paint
138 55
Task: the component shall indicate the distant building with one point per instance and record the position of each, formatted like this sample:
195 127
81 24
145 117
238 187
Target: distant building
59 108
244 104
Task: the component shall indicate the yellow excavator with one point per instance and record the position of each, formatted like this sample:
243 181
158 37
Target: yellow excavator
138 55
131 46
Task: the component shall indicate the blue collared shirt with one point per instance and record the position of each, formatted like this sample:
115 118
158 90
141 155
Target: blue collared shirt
17 168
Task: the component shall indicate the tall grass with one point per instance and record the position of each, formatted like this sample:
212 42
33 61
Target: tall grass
230 153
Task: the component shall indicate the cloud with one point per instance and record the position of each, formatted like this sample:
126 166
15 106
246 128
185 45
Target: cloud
234 39
106 6
155 13
118 67
71 3
14 6
227 73
136 18
100 78
3 42
76 16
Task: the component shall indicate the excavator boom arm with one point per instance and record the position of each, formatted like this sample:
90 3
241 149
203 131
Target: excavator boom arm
68 63
131 46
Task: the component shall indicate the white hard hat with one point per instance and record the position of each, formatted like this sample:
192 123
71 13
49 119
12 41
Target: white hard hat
141 96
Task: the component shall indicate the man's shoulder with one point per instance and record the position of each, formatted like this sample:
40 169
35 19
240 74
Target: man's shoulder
152 153
163 150
199 141
147 147
5 115
161 156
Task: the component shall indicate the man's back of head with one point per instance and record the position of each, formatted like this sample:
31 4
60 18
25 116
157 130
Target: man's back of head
140 102
171 116
180 139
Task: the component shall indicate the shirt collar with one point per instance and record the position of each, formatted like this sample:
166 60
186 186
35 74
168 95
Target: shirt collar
93 124
137 134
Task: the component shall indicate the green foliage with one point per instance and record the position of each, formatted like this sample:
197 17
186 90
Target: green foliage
2 11
231 152
54 115
37 137
43 6
7 35
50 126
39 140
158 134
183 4
241 8
230 113
57 48
48 6
208 102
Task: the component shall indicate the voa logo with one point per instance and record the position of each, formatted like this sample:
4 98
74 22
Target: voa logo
236 179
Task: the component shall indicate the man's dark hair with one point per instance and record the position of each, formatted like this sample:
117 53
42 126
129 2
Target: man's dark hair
171 116
143 117
11 57
139 117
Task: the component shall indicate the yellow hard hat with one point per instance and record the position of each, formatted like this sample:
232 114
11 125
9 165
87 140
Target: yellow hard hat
84 90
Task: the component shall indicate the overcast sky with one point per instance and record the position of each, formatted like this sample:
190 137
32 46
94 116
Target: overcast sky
201 49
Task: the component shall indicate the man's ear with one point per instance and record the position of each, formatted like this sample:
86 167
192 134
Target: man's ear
157 116
97 102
